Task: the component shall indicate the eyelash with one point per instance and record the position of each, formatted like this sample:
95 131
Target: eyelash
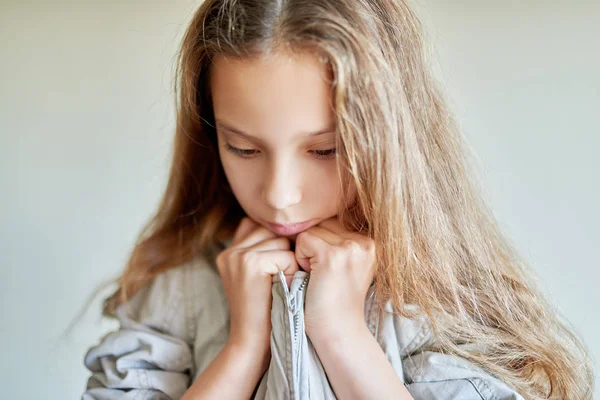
245 153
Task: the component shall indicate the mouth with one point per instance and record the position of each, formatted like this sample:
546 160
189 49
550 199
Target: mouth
290 229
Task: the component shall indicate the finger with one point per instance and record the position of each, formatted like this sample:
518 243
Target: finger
291 270
333 224
275 261
245 227
278 243
257 235
327 235
308 247
289 279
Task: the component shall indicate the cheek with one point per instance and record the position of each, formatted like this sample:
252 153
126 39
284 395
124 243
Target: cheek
333 190
240 177
229 165
325 186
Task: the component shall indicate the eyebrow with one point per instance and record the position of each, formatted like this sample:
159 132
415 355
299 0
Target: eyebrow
252 137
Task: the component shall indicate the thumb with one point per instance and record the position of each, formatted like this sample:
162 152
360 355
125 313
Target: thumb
290 271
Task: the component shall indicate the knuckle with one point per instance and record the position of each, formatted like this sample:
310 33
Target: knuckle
283 242
248 258
220 259
369 246
351 246
301 237
245 223
223 261
290 255
331 253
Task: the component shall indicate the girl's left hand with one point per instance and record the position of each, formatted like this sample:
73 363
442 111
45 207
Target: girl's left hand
341 266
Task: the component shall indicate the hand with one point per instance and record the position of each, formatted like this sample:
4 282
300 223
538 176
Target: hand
341 265
246 269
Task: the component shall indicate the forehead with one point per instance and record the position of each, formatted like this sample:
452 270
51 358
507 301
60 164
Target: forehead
275 97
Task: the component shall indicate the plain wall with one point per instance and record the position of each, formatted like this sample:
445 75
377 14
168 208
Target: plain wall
86 122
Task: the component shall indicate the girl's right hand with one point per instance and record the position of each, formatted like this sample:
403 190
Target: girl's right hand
246 269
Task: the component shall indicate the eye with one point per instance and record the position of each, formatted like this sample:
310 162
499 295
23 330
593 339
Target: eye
240 152
248 153
324 154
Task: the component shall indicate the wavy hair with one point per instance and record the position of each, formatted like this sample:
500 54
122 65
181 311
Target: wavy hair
439 245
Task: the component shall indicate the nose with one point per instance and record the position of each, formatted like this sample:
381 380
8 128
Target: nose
282 185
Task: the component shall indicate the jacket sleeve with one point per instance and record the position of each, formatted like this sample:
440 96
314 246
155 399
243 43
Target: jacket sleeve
149 356
410 346
433 375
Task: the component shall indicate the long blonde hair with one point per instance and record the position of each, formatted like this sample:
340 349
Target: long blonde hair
439 245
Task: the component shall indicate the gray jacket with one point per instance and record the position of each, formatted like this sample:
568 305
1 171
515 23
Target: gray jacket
172 329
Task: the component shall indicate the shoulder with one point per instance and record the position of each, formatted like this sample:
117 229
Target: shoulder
152 352
172 301
402 336
410 345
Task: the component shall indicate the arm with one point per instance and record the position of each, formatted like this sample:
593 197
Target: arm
356 365
138 360
156 352
233 374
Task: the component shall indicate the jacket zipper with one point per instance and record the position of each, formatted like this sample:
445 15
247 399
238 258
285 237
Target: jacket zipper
296 314
293 308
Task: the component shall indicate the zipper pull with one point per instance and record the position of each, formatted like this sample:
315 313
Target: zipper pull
286 292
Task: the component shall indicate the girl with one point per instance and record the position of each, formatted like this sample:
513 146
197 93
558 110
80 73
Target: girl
320 236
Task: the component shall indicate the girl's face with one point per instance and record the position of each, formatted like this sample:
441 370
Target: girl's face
276 133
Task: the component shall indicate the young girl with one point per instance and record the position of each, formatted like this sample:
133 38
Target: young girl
320 236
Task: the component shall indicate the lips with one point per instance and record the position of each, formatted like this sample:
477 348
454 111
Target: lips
290 229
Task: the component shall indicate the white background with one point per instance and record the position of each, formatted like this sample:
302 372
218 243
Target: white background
86 120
